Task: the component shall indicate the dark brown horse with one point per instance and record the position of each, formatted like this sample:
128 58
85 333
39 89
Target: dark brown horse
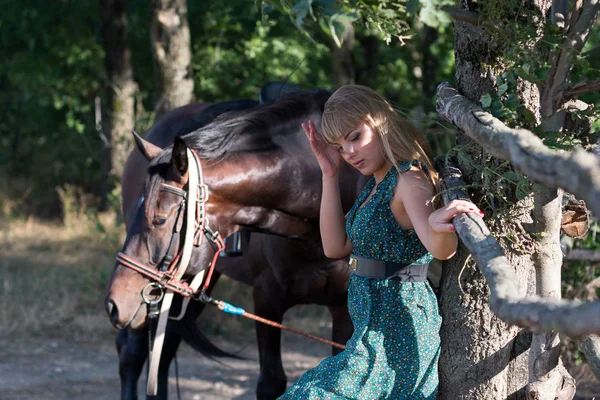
132 345
262 177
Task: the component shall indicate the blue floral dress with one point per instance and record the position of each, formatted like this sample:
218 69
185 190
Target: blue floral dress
394 351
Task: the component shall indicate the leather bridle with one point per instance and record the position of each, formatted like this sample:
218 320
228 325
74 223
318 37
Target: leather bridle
169 272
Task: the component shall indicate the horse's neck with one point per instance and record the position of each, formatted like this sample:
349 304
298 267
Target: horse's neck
275 192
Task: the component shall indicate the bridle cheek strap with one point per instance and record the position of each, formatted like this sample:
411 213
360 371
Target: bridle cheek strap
196 228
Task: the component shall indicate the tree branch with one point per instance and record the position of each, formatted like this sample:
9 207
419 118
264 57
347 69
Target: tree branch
579 89
578 172
473 18
590 345
583 255
460 14
572 318
582 19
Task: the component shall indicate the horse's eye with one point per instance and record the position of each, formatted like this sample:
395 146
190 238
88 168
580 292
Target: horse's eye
159 220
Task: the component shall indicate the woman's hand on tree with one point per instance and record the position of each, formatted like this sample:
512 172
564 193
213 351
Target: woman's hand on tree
441 219
328 157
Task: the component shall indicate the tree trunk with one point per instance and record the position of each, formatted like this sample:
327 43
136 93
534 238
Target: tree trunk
548 378
171 49
370 48
482 357
343 65
119 109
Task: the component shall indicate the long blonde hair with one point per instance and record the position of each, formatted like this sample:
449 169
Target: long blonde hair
351 105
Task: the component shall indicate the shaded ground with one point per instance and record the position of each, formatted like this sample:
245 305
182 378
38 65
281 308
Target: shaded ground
53 369
63 369
66 268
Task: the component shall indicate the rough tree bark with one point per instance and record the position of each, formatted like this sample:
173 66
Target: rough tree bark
482 357
170 38
119 109
472 345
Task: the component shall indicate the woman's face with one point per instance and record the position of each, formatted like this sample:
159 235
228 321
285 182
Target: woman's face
361 148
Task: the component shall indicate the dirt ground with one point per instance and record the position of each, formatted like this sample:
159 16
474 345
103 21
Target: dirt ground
53 362
64 369
61 369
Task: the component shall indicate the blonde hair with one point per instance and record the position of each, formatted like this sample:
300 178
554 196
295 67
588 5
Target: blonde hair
351 105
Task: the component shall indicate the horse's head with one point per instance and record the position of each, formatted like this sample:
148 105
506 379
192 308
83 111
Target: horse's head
155 237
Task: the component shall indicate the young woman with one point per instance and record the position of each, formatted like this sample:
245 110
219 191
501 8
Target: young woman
391 234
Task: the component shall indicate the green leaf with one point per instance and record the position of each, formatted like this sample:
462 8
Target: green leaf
301 10
502 89
486 100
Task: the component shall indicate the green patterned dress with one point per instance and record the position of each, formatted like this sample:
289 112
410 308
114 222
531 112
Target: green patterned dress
393 353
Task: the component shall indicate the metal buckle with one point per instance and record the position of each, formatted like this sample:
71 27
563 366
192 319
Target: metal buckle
203 193
352 263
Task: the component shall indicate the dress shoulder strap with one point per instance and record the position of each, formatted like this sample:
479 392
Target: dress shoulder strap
404 166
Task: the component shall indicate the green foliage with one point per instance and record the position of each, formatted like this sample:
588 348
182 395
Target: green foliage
49 75
498 185
238 53
389 19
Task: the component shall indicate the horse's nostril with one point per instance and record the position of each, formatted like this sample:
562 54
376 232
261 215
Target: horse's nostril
112 311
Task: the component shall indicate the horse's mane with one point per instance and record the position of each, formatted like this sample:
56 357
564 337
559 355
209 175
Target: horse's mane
253 129
245 129
250 129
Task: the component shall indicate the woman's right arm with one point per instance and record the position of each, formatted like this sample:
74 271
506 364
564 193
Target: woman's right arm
332 222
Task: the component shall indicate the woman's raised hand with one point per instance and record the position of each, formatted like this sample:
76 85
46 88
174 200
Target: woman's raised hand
441 219
328 157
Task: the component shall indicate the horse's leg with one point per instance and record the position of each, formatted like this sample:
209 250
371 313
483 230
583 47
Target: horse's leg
342 327
269 303
133 349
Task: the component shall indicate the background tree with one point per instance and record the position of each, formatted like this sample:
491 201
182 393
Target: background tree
171 50
121 90
50 75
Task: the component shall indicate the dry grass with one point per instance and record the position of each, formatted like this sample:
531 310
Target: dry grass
53 277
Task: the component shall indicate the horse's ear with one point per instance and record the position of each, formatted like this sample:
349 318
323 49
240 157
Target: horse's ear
148 149
179 156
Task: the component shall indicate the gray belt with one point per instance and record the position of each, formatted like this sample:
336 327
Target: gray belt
388 270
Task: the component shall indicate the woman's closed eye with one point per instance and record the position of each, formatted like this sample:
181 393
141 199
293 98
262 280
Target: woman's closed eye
354 138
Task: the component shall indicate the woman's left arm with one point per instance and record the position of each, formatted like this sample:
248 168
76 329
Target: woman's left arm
414 193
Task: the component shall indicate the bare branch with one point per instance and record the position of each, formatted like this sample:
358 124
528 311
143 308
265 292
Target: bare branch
572 318
583 17
579 89
473 18
559 12
578 172
583 255
590 345
460 14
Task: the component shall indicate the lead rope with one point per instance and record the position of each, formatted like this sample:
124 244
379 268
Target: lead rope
230 309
